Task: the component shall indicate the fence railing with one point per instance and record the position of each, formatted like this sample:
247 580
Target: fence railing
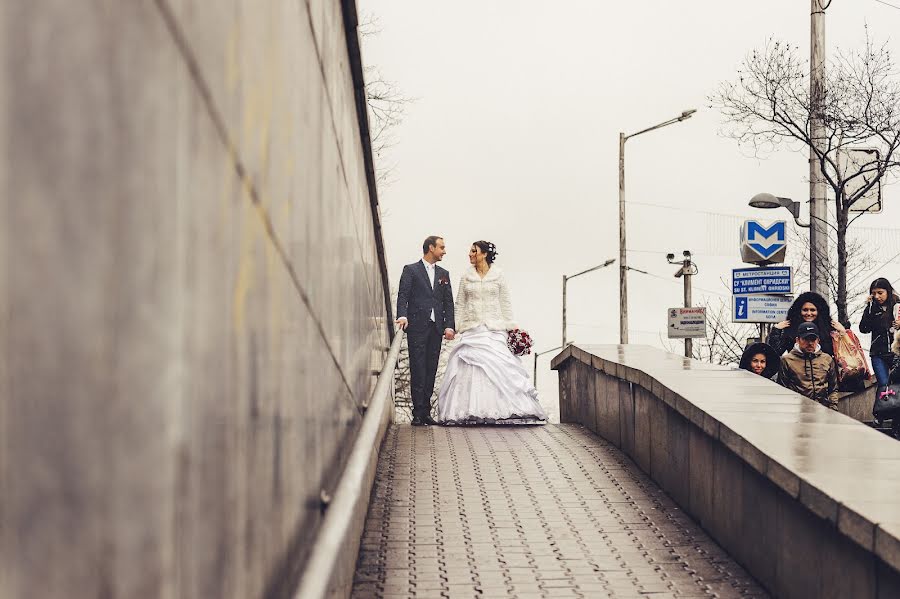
332 561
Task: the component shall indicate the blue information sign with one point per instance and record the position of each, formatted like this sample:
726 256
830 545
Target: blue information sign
750 281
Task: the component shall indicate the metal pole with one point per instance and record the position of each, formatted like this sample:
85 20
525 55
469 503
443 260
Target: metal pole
818 209
534 378
688 342
563 314
623 264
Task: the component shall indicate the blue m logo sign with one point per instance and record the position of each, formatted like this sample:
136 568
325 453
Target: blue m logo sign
766 240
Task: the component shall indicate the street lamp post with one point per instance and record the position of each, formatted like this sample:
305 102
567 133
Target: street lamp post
565 280
536 355
623 265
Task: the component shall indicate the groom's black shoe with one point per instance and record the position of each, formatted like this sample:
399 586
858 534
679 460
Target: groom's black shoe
430 421
418 422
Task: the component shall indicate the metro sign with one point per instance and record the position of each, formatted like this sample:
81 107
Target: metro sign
763 244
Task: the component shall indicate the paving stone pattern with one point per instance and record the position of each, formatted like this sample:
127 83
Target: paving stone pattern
550 511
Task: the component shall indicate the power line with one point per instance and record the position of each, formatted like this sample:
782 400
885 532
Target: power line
667 280
888 4
745 217
876 269
681 209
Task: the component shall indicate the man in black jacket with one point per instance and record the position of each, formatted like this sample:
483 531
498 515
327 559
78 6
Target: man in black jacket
425 311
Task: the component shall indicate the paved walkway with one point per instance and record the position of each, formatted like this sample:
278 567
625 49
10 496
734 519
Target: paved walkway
523 512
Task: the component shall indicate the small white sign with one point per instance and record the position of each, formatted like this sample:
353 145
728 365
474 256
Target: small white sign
760 308
687 323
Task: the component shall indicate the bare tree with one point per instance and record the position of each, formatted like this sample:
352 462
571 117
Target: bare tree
860 263
387 106
402 382
402 389
769 106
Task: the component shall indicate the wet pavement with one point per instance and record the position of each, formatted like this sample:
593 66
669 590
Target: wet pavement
551 511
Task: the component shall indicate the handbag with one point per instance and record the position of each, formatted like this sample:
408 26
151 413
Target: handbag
848 353
887 402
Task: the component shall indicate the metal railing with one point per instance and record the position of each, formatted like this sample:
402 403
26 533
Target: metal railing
331 543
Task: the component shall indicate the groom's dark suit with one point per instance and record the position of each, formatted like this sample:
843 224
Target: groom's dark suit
416 300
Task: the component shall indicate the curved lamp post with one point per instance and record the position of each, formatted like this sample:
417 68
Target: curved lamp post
623 265
565 280
536 355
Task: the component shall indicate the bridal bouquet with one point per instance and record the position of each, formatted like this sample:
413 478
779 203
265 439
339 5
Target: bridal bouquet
519 342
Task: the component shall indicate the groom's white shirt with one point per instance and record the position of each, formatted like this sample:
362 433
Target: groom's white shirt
429 268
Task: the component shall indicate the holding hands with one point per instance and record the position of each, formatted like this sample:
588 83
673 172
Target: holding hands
402 323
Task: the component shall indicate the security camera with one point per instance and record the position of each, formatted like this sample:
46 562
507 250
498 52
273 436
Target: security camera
686 254
670 256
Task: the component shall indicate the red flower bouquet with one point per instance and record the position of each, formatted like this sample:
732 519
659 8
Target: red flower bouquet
519 342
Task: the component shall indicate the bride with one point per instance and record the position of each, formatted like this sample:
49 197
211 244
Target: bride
484 382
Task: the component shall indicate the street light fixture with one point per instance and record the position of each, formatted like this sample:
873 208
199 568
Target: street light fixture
565 280
623 264
768 201
536 355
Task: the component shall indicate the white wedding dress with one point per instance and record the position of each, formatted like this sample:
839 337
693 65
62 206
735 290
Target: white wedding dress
484 382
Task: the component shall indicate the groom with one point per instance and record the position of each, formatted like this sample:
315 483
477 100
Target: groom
425 311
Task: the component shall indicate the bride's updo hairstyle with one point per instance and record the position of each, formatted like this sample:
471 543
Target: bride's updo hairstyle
489 249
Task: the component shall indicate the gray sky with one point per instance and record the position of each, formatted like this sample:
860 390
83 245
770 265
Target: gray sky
514 139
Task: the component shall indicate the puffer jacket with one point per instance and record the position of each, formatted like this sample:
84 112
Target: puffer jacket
813 375
483 301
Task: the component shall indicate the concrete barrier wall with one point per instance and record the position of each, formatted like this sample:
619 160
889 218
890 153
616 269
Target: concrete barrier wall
805 498
191 293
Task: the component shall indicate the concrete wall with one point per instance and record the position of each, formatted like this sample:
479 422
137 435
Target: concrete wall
191 298
803 497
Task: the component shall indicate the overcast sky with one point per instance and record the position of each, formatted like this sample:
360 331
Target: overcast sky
513 138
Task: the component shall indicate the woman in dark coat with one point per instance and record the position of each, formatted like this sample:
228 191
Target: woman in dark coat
880 318
761 359
808 307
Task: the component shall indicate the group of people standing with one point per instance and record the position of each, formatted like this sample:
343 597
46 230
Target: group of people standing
800 354
485 383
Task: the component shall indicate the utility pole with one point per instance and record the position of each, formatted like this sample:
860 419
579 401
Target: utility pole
687 270
818 206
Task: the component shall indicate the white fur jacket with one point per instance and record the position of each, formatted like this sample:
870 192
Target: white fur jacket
483 301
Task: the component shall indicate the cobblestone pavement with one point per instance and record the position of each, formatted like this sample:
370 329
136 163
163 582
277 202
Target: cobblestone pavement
550 511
